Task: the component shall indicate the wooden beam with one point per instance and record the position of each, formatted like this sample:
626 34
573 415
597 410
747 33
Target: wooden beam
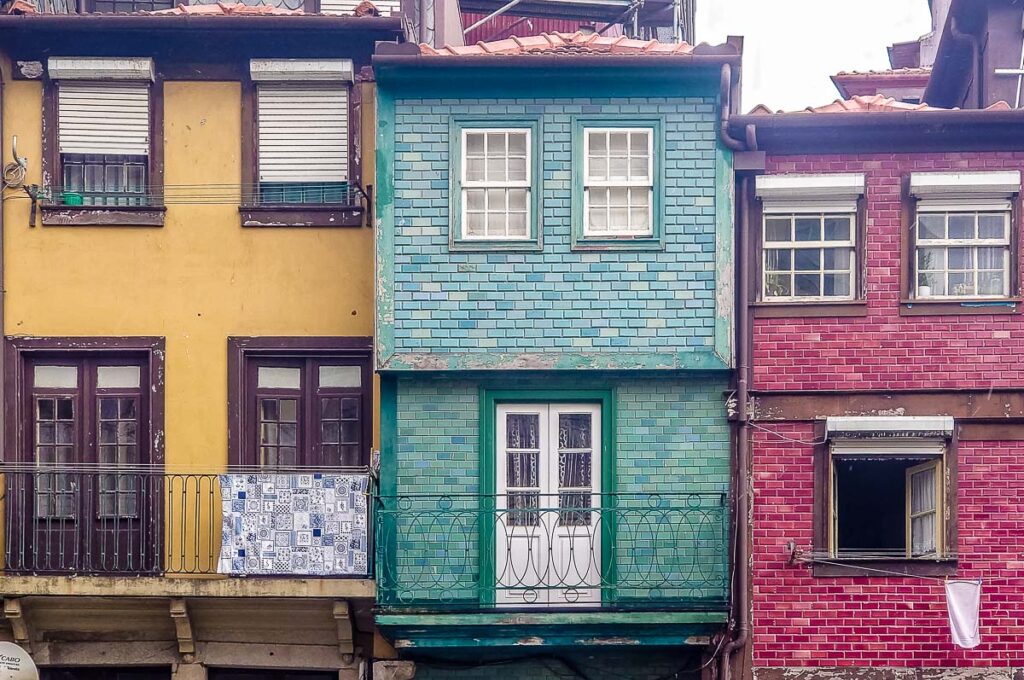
343 618
183 630
19 625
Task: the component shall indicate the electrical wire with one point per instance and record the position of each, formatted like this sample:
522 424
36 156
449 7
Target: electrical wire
815 442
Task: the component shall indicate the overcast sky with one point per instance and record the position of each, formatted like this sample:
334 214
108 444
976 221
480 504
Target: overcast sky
791 47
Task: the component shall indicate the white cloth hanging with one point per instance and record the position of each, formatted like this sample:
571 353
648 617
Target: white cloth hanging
963 601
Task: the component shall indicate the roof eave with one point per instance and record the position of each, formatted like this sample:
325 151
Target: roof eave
547 61
150 22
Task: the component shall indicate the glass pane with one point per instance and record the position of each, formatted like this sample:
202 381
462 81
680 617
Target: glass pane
931 225
45 409
574 430
474 223
777 229
278 378
837 258
960 283
990 258
522 431
268 409
287 434
517 225
807 284
922 530
340 376
837 228
960 258
289 409
330 407
108 409
837 284
522 509
807 259
118 376
931 284
779 260
330 432
922 491
65 409
517 169
778 285
349 432
522 470
991 283
929 259
65 432
807 228
474 169
961 225
573 517
127 407
350 408
496 144
517 143
574 469
517 199
992 225
475 143
58 377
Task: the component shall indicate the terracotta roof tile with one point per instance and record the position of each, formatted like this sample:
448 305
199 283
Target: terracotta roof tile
906 71
574 43
868 104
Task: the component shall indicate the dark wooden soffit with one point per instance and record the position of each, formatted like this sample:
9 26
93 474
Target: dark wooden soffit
995 407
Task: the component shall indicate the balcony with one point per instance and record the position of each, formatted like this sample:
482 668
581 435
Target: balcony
657 562
69 522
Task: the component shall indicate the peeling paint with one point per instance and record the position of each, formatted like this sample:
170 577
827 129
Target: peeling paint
888 673
705 360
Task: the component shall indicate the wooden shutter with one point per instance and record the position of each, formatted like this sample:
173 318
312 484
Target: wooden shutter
103 118
303 132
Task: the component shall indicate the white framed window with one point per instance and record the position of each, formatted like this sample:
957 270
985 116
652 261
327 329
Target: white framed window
962 234
618 182
962 253
809 256
496 183
809 237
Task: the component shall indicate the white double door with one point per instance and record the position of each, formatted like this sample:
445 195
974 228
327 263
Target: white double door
548 520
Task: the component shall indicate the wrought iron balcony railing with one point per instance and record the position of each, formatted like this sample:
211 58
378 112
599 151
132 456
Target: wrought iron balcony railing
526 550
137 522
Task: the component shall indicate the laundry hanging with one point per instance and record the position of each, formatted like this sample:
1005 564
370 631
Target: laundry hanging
963 601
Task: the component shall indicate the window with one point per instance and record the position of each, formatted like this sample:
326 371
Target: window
496 184
102 150
887 490
962 236
302 153
809 237
127 6
618 185
809 256
306 403
963 254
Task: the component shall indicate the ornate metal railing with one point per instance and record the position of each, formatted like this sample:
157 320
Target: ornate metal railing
134 522
643 551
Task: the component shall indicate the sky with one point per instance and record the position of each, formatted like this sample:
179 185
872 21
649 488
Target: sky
791 47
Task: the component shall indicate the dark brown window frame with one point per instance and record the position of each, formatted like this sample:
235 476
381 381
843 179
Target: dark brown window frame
54 214
849 567
20 351
255 214
805 308
243 350
909 306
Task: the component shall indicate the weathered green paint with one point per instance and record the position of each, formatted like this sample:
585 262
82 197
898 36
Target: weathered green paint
550 618
455 240
657 125
384 329
696 360
725 276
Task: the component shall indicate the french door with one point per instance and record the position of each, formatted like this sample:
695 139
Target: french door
548 519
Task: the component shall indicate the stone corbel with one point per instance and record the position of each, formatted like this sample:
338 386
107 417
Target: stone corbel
19 625
346 643
183 630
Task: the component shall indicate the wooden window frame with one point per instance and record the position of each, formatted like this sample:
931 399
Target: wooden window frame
255 214
246 351
465 184
911 306
54 214
588 183
855 307
456 130
20 352
822 517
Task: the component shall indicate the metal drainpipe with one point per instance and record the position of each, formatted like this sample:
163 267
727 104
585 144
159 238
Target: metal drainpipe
743 351
742 437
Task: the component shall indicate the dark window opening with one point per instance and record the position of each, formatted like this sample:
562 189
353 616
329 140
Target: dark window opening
134 673
121 6
104 179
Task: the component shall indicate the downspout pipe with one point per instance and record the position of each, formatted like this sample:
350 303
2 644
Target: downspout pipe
726 104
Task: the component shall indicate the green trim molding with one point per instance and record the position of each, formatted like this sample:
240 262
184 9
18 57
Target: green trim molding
654 242
384 229
725 276
695 360
455 240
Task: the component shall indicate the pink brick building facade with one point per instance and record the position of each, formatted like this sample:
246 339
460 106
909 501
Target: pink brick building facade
883 354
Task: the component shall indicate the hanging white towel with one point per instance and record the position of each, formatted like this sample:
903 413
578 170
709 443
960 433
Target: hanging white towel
963 600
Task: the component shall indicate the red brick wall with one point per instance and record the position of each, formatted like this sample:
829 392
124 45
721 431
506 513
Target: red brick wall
885 350
800 620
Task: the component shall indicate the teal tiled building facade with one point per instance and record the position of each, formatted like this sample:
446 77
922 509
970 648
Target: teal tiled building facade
554 340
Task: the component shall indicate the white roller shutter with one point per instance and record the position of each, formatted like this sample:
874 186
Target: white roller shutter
888 447
385 7
303 132
103 118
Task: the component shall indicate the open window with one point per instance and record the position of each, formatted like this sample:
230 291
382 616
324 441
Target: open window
884 491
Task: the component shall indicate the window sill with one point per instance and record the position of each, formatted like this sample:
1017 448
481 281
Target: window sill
840 567
622 243
301 215
792 310
910 307
102 216
490 246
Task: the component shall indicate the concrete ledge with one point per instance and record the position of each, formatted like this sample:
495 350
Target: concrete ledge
150 586
886 673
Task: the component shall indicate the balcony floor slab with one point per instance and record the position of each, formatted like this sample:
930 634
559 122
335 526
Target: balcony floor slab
169 586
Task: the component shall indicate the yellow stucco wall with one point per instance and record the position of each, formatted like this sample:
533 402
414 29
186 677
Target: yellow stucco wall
196 281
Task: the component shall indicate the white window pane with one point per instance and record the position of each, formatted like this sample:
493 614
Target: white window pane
597 168
638 167
598 197
778 260
475 169
517 143
475 143
517 199
639 220
638 143
279 378
960 258
837 258
961 226
474 199
960 283
496 224
922 531
837 227
597 219
778 229
495 144
618 168
931 226
930 259
474 224
618 196
991 283
598 142
837 285
517 224
496 169
990 258
55 376
639 197
617 219
118 376
922 491
517 169
341 376
618 143
930 284
778 285
992 225
496 200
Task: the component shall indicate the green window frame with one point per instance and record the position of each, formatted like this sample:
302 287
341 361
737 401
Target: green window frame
458 129
651 241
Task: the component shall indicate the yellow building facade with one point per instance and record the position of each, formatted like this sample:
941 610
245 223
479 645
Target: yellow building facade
187 305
